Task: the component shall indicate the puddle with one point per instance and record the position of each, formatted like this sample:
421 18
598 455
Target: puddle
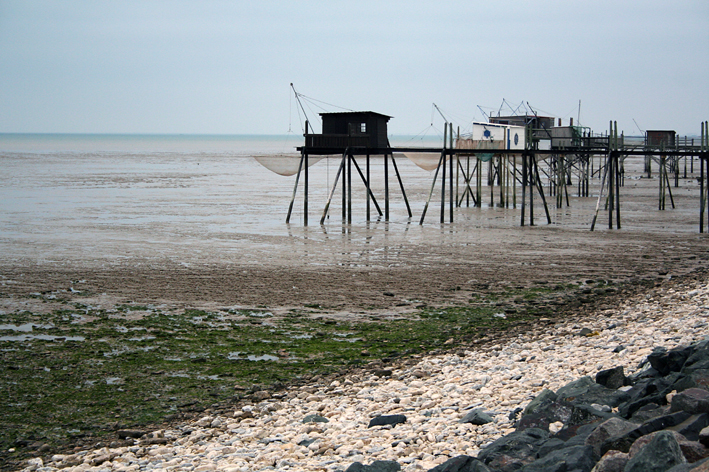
251 357
25 328
143 338
41 337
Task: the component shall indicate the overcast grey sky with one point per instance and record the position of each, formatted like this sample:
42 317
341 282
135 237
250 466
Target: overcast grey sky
224 67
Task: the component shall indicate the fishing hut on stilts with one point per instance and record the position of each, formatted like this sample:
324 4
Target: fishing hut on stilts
352 135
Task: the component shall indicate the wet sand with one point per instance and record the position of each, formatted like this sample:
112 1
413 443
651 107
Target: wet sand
208 230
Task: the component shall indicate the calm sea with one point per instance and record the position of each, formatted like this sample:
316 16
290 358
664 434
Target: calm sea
237 145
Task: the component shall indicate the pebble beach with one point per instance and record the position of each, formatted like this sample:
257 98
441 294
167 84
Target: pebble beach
326 426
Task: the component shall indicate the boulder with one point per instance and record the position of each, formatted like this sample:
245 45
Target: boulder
545 396
612 461
461 464
623 441
511 452
387 420
586 391
581 458
611 378
693 400
477 417
662 453
609 428
376 466
704 436
665 361
315 419
699 359
692 426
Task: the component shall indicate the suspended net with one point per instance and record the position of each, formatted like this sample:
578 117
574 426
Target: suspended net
284 165
467 143
425 160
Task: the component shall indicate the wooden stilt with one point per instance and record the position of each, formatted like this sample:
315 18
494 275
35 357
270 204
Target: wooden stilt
305 189
443 175
369 191
401 185
295 187
334 186
433 186
386 187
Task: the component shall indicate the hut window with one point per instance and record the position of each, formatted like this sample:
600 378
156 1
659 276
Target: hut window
363 127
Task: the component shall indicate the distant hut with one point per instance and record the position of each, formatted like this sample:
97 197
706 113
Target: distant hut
660 138
340 130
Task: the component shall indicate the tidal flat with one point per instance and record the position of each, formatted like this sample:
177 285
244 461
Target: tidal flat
75 373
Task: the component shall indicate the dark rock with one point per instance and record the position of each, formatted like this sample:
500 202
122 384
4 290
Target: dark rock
692 426
704 436
315 419
545 396
306 442
662 453
477 417
513 451
383 373
612 461
376 466
618 348
387 420
611 378
580 433
648 412
608 429
585 390
699 359
700 466
585 332
581 458
461 464
693 400
624 441
550 445
665 361
130 433
545 414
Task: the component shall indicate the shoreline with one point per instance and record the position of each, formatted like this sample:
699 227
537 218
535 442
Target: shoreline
671 313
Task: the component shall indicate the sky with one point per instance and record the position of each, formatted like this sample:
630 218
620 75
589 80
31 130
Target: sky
225 67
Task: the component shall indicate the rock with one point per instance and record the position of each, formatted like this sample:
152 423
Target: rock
130 433
611 378
546 396
699 359
204 421
387 420
477 417
665 361
704 436
376 466
609 428
586 391
612 461
382 373
261 395
647 439
580 458
550 445
692 426
513 451
662 453
315 419
693 400
461 464
623 441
